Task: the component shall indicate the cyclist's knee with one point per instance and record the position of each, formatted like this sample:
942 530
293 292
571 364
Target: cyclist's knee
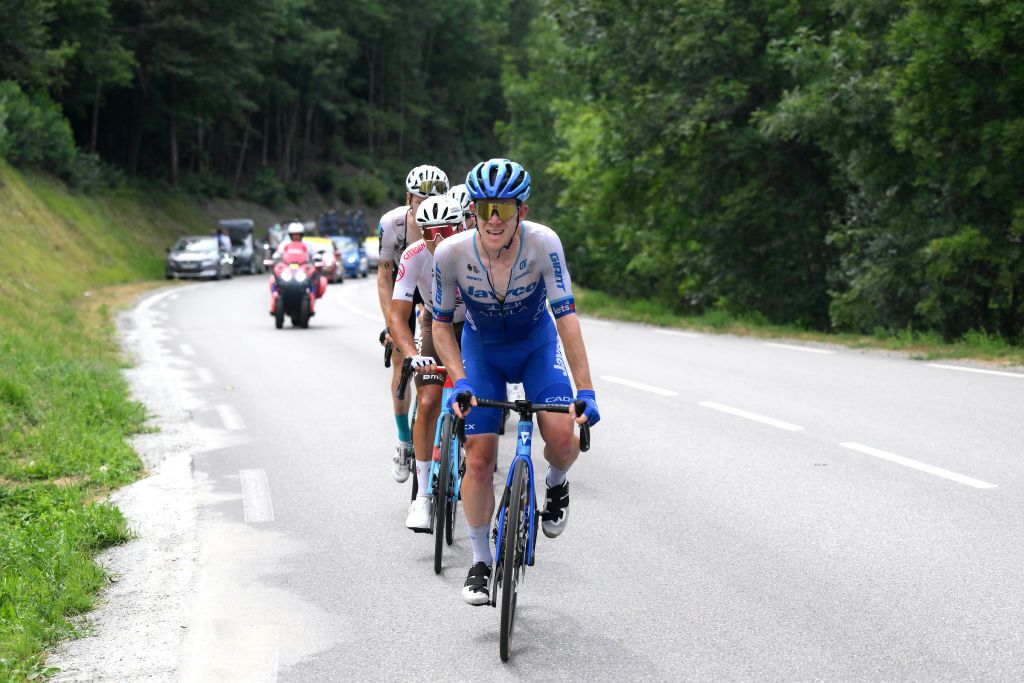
481 454
430 401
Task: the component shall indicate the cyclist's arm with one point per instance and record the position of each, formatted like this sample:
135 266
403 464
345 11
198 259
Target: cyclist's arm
385 287
447 348
575 351
445 296
399 326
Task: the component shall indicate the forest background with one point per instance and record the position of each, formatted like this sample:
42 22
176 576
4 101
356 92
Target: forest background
836 165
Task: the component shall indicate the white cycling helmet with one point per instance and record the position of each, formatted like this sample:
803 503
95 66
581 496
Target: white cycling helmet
426 181
296 227
441 210
461 195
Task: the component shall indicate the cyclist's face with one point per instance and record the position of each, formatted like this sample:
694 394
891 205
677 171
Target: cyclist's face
493 230
414 202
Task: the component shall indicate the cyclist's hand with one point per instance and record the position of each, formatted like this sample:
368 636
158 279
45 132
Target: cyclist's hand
591 415
424 365
463 390
385 337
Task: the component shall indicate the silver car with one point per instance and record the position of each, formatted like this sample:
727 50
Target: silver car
198 256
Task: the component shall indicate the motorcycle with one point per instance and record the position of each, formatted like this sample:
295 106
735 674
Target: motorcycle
294 290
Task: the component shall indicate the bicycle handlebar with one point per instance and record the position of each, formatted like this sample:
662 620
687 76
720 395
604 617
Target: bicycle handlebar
527 408
403 382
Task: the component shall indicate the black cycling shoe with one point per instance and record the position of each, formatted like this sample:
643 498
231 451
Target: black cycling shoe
476 592
556 510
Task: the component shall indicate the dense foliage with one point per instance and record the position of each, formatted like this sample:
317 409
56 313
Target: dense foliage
842 163
266 97
835 164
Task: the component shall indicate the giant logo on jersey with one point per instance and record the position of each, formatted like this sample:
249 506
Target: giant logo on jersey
556 263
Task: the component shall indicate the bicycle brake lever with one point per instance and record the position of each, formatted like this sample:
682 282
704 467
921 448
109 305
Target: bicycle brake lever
403 383
580 406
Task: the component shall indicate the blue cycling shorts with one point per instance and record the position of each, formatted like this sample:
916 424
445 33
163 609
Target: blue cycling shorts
537 362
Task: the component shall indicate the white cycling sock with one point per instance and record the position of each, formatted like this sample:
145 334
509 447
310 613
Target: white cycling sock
480 537
555 476
423 474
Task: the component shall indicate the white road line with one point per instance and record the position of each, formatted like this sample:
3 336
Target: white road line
256 496
204 375
914 464
961 368
187 349
230 417
677 333
637 385
793 347
752 416
172 297
358 311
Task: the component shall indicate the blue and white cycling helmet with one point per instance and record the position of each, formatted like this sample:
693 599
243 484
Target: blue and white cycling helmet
498 179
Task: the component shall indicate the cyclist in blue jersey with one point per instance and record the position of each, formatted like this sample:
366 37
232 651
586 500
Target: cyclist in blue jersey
508 271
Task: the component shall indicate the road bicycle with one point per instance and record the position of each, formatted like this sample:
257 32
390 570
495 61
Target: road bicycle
515 535
447 467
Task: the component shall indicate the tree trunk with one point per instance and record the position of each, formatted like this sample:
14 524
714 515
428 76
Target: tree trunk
199 156
136 143
371 61
286 155
95 119
266 131
241 155
174 135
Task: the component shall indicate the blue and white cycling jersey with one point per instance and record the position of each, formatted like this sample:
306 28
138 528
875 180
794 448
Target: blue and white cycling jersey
539 275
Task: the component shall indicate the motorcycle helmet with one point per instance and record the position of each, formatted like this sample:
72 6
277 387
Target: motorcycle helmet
296 228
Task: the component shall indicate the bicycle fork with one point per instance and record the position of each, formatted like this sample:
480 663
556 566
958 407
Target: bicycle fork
524 441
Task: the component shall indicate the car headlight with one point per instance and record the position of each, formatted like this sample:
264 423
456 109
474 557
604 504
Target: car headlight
350 258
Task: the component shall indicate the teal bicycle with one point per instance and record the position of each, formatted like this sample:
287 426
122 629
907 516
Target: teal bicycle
517 518
447 467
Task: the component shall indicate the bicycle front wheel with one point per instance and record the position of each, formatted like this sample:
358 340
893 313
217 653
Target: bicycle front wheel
441 494
513 553
453 506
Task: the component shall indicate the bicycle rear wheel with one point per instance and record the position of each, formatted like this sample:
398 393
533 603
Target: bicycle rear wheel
513 553
441 491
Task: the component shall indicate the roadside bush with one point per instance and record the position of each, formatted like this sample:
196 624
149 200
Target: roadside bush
327 179
372 189
33 132
90 174
206 184
346 189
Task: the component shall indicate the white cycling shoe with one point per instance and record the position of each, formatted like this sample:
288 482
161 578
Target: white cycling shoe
400 464
419 515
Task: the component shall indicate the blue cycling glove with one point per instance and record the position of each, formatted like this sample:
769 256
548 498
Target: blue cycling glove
590 398
461 386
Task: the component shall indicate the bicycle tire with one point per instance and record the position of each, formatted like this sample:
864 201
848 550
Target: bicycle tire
515 539
453 508
441 490
412 464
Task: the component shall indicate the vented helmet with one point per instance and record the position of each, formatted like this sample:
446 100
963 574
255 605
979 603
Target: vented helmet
461 195
426 181
442 210
498 179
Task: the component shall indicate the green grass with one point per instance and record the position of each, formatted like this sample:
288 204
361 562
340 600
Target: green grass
64 406
919 345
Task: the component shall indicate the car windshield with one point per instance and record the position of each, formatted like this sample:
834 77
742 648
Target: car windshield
346 243
196 244
238 236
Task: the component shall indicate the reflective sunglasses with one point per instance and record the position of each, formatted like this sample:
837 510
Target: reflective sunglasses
433 186
431 233
485 208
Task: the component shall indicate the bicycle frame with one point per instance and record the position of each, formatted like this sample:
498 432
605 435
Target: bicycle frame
524 444
435 465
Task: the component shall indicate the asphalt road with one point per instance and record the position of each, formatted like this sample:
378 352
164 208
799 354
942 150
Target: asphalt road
747 511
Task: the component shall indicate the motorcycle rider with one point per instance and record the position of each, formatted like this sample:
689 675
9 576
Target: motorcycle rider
297 251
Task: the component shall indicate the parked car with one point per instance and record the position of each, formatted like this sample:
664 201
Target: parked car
372 247
249 253
325 247
198 256
353 256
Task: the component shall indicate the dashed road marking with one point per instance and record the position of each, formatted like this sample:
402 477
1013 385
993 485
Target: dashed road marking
914 464
256 502
752 416
961 368
794 347
355 309
639 385
204 375
187 349
230 417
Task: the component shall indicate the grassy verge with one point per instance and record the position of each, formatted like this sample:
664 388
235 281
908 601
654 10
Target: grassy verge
923 346
64 407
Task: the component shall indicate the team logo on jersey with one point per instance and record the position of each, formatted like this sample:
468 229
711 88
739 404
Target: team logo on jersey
473 269
437 285
556 263
414 249
401 271
560 361
474 278
563 308
558 399
522 265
